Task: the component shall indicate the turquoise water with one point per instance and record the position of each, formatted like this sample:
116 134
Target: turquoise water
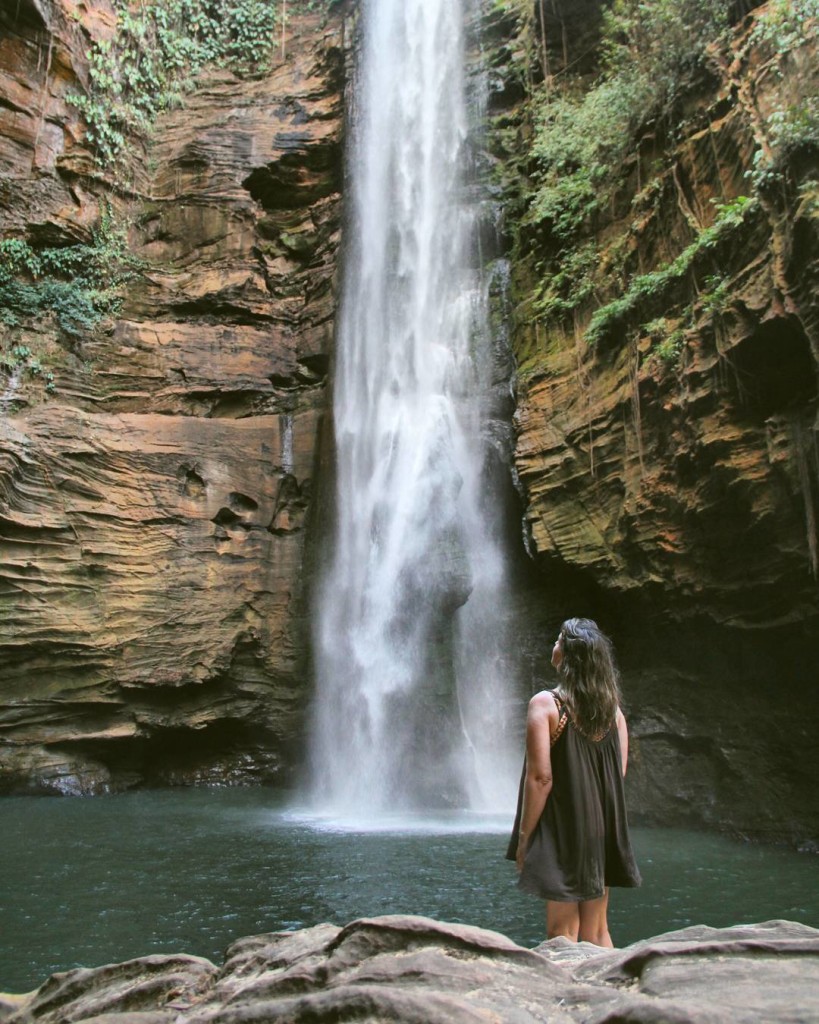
87 882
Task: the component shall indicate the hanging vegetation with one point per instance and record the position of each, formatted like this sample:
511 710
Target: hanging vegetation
159 48
586 142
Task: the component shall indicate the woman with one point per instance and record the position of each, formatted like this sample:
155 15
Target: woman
570 840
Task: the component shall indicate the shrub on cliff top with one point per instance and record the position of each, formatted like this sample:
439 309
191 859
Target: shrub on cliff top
669 39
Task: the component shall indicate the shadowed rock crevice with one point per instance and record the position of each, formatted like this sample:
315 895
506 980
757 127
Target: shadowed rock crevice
772 370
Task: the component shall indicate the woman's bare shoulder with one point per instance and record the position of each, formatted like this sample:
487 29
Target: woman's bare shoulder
543 702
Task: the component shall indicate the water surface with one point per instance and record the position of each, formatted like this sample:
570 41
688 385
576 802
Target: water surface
90 881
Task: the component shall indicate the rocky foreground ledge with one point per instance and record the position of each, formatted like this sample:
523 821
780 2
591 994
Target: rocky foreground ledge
420 971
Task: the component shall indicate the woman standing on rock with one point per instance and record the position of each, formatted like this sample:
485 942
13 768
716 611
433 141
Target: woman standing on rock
571 840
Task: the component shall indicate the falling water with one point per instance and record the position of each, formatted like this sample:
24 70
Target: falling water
10 390
410 710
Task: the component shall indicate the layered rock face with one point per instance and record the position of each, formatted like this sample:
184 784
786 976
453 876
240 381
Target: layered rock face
413 969
153 498
675 498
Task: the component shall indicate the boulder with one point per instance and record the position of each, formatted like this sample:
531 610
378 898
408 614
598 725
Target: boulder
416 970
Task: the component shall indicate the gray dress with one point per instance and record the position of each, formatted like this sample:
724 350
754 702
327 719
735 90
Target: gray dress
581 843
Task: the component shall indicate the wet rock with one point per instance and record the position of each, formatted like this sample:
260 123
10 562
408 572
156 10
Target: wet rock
747 973
148 990
413 969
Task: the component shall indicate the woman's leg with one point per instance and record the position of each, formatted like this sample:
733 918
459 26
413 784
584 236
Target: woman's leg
562 919
593 921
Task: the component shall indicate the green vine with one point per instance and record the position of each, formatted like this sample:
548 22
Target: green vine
159 48
653 289
78 286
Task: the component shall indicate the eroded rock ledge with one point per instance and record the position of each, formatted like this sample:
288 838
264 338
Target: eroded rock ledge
414 969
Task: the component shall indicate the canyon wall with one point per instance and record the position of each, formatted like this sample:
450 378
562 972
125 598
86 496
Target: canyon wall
157 468
667 450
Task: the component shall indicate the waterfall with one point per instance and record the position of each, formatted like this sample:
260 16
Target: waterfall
410 709
11 389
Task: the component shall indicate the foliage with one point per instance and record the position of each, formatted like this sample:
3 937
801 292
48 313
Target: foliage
716 297
156 53
590 136
789 130
578 144
668 334
669 338
79 284
809 198
669 350
785 24
158 49
569 285
652 288
669 38
651 50
20 358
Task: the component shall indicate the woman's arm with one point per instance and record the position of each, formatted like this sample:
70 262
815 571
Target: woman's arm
622 735
541 721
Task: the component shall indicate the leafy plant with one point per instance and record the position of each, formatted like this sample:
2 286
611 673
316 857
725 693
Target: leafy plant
669 38
20 359
653 288
80 284
578 144
716 297
789 130
651 50
785 24
157 51
809 196
669 350
570 284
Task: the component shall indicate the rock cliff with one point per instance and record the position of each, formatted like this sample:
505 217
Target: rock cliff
666 409
157 466
413 969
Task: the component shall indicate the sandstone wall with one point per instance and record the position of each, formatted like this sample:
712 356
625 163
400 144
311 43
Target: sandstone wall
676 500
153 504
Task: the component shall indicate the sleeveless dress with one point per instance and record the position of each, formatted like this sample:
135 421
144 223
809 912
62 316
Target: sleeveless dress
581 843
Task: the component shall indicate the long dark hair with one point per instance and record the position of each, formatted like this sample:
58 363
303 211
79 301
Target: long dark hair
589 680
